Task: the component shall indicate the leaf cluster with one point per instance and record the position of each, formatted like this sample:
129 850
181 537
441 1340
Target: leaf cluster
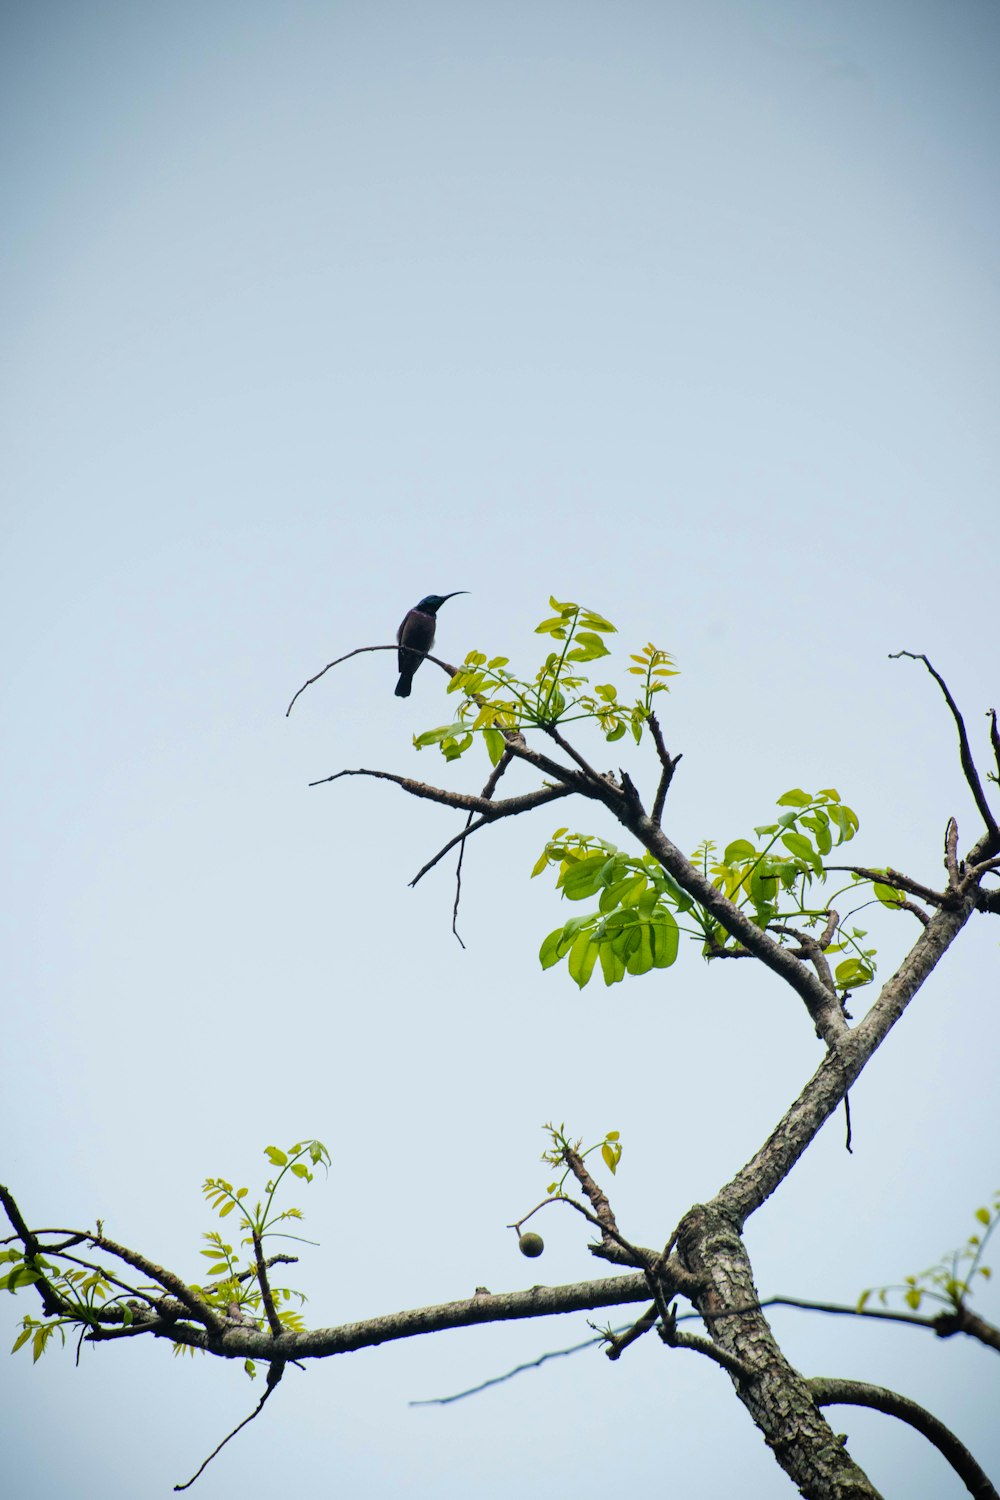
952 1280
86 1293
240 1284
642 910
496 701
610 1148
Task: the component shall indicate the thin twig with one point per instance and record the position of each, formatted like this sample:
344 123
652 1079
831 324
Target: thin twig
531 1364
574 755
968 764
360 651
892 877
491 785
545 794
274 1374
618 1343
812 949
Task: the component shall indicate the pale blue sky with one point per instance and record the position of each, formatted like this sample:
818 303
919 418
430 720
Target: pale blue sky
686 311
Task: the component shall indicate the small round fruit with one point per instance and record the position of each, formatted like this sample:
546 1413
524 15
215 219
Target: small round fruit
531 1245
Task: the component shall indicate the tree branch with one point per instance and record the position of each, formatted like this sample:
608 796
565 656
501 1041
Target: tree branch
274 1374
859 1393
545 794
963 1321
260 1268
894 878
756 1181
669 764
360 651
826 1013
965 754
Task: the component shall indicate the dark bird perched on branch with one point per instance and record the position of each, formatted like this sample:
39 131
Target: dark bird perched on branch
416 637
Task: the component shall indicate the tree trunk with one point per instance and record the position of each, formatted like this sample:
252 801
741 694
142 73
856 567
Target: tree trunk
777 1397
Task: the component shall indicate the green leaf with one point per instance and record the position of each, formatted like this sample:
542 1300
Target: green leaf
585 876
275 1156
665 937
610 1159
738 852
582 957
983 1215
912 1298
887 894
846 821
612 967
21 1275
21 1339
795 798
852 973
640 960
862 1300
802 848
435 736
550 953
494 742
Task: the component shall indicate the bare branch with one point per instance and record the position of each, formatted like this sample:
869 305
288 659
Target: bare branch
274 1374
896 879
859 1393
951 853
812 949
729 1362
463 801
487 792
669 764
617 1343
260 1268
360 651
756 1181
603 1213
545 794
574 755
531 1364
963 1321
965 754
917 911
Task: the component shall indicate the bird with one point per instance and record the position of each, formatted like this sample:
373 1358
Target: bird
416 637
